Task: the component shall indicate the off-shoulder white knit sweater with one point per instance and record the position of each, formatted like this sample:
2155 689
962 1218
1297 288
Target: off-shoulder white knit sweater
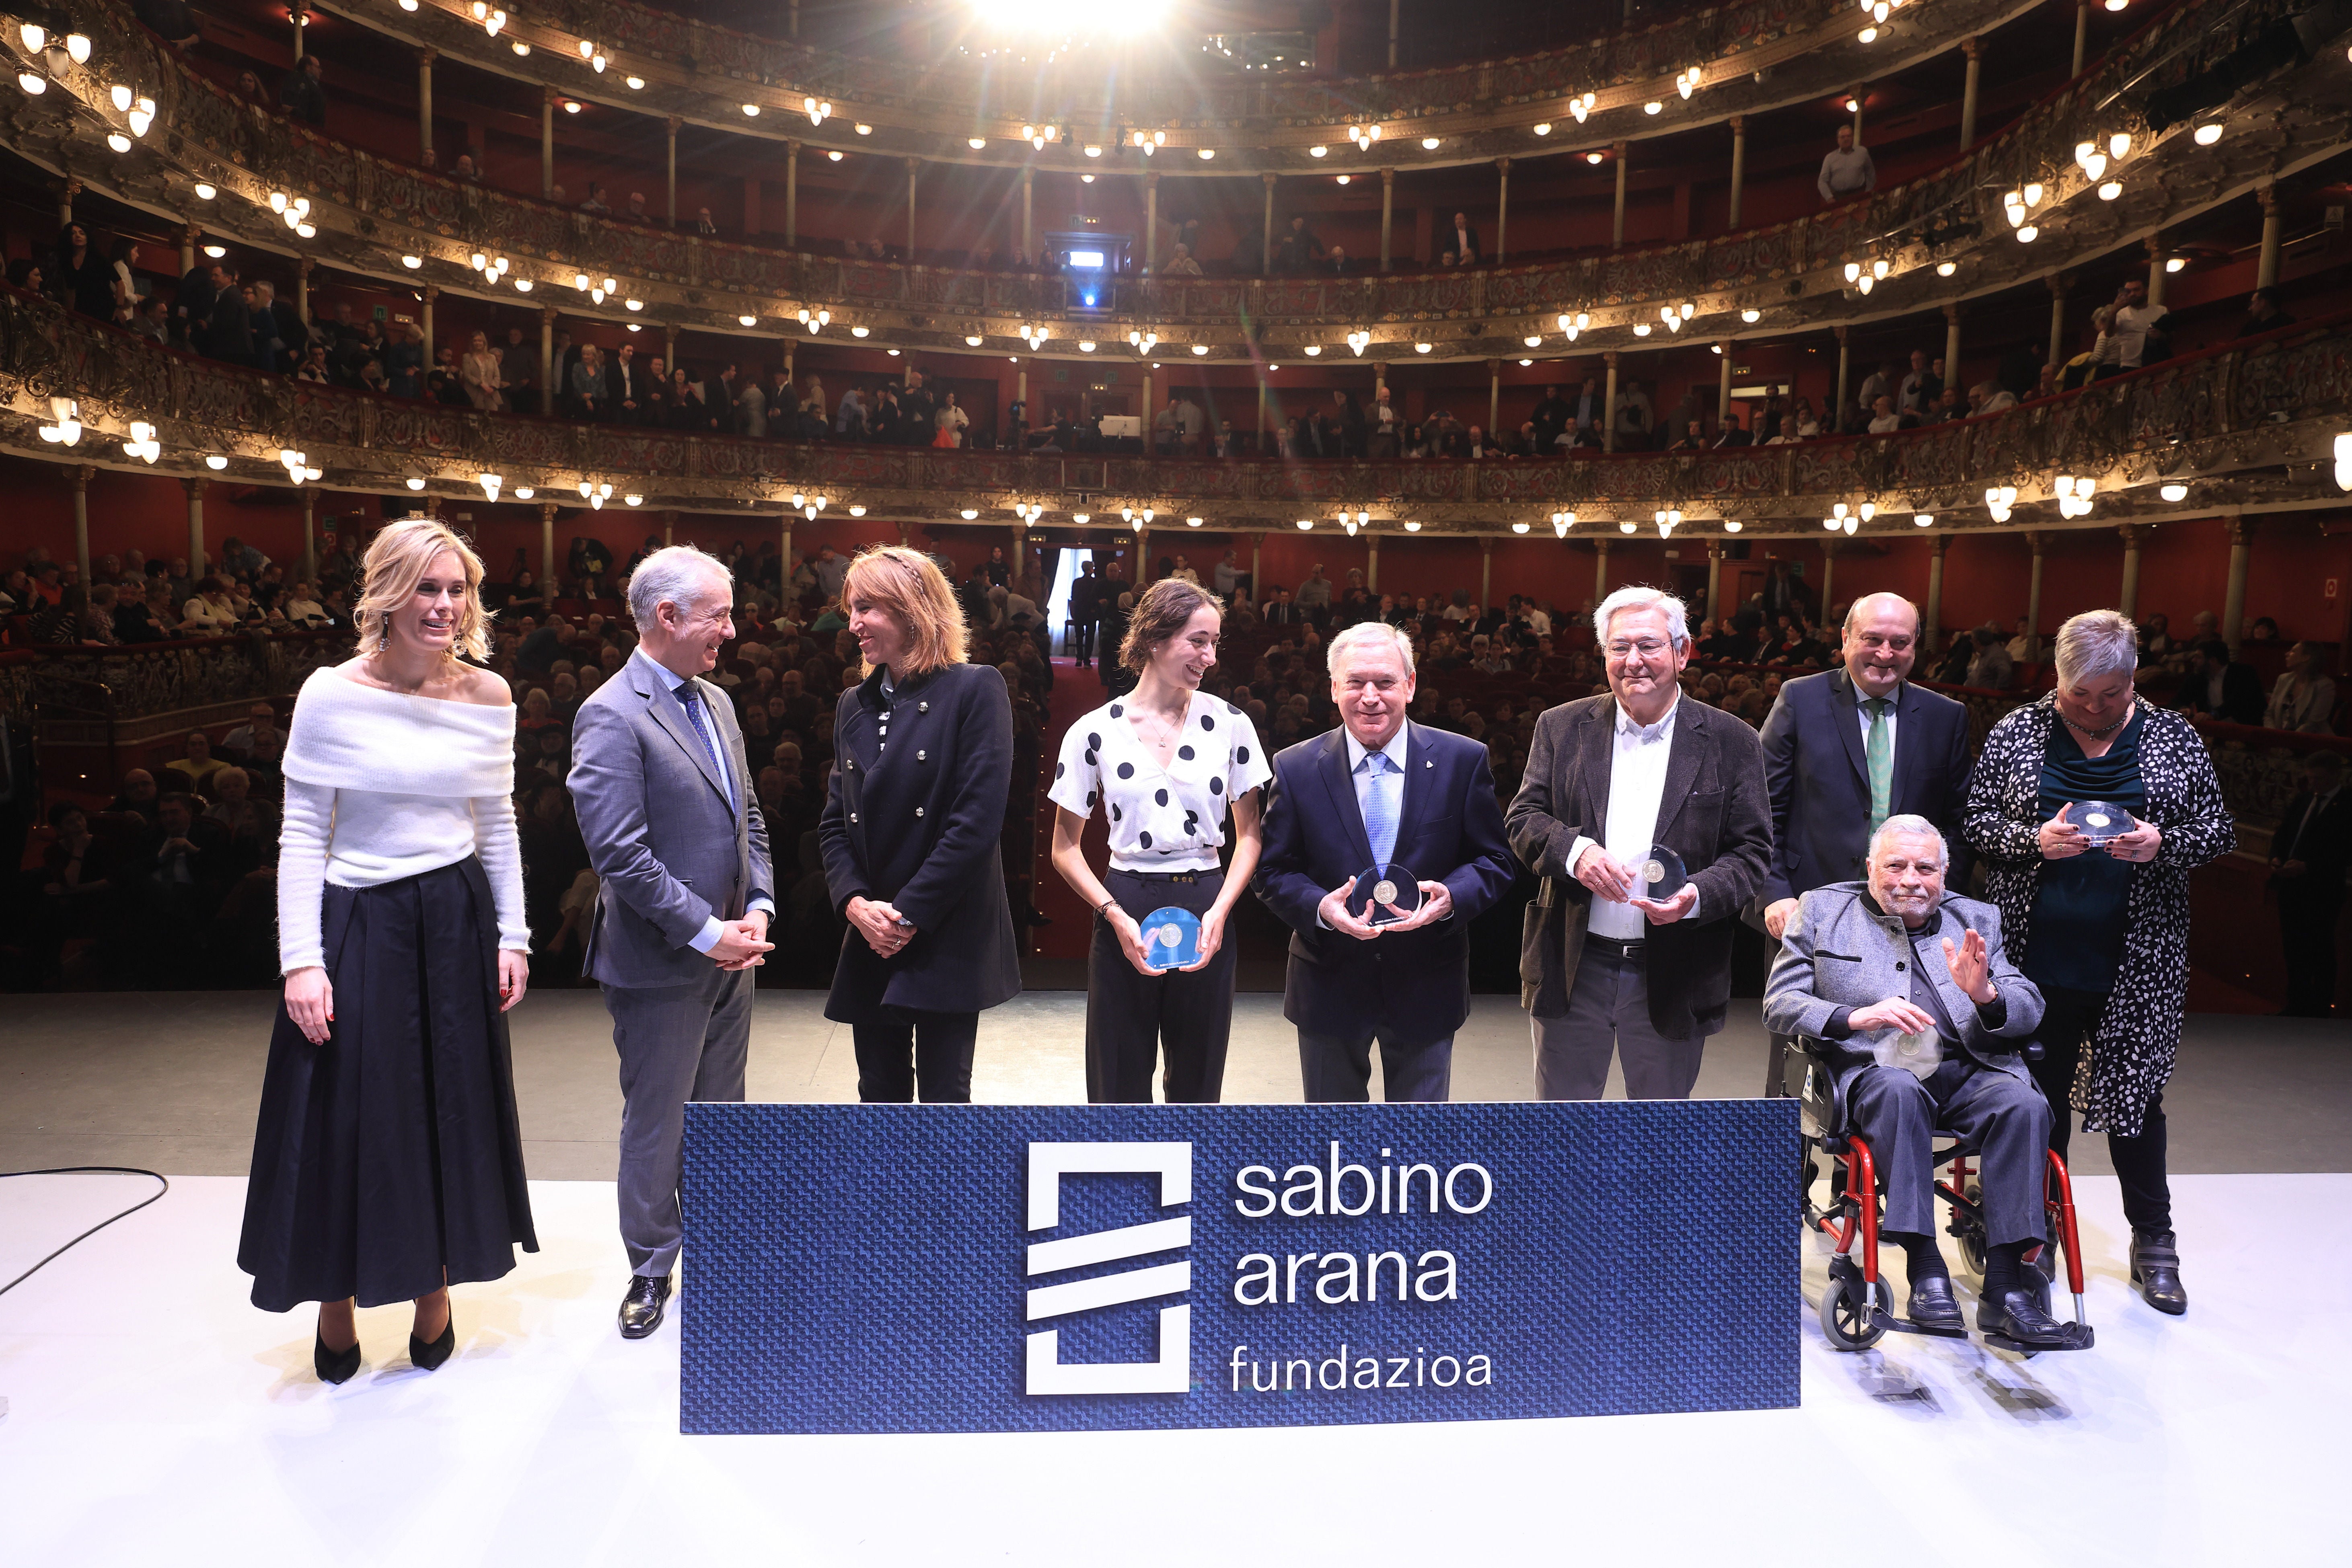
382 785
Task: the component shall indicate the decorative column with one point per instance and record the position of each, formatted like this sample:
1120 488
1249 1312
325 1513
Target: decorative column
669 136
2155 268
1486 569
310 535
669 347
425 59
1387 213
1151 221
1143 579
911 166
1599 570
1258 583
189 234
1617 224
301 290
669 527
1739 163
1028 214
2082 32
81 476
1502 207
195 489
432 292
67 191
547 366
1828 573
2233 598
2127 601
1395 7
2038 541
1932 630
547 97
1493 394
2057 284
1715 555
1952 343
1608 405
1837 415
784 544
1974 50
1372 563
1860 96
547 546
1723 386
1151 443
1265 230
2266 268
792 195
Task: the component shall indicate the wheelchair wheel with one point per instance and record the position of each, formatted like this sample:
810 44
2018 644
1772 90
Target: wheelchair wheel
1968 1226
1846 1306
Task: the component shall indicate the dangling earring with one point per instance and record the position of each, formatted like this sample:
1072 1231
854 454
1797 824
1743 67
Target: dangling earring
383 633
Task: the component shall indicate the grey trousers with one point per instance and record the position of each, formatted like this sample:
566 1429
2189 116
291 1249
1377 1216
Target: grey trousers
1897 1112
1609 1013
1336 1070
676 1043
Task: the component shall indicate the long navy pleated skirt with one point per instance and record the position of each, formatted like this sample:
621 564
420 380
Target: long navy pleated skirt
391 1152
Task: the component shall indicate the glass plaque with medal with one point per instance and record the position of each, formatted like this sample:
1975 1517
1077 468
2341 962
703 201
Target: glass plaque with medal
1378 887
2099 823
1659 875
1171 939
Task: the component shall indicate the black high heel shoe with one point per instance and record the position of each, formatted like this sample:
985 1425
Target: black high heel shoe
334 1366
428 1358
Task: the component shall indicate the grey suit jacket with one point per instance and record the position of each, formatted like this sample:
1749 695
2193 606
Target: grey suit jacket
1840 953
668 851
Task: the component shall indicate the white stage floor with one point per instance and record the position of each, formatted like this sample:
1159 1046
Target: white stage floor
157 1418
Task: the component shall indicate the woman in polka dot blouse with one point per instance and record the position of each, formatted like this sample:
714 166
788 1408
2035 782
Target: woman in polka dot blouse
1165 764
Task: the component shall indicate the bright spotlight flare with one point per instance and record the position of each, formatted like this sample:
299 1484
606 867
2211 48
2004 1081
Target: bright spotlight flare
1062 24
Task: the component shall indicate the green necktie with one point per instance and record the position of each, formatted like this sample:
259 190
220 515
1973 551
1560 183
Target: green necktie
1878 754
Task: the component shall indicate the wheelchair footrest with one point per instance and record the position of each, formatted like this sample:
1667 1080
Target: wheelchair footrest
1905 1326
2003 1342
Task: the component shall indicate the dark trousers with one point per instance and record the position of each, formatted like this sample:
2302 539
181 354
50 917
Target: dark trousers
929 1049
2307 939
2067 1021
676 1043
1080 639
1134 1019
2007 1119
1608 1014
1337 1070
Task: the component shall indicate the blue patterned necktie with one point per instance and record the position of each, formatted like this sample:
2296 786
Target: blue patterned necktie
1379 807
690 699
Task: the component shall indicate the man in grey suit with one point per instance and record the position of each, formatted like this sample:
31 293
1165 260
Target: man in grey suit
659 783
1920 1015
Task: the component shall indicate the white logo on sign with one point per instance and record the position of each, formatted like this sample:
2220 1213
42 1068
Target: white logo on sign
1173 1372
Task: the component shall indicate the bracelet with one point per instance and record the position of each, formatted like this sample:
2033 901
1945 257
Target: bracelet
1106 905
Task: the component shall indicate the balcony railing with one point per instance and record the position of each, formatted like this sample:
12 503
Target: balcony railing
2209 420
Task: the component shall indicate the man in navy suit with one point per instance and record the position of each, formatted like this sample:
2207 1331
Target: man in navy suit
1847 749
1380 791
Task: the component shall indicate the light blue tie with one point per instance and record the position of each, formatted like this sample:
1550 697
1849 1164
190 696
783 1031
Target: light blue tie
1379 807
690 699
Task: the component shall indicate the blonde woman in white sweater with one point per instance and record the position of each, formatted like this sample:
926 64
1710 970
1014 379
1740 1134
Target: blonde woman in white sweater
387 1162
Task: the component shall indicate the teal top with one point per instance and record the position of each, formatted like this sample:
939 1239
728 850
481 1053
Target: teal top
2077 936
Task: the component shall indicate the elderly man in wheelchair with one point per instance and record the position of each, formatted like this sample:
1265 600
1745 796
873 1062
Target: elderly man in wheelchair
1911 1019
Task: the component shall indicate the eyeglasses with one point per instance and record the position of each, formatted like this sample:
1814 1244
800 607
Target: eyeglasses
1647 648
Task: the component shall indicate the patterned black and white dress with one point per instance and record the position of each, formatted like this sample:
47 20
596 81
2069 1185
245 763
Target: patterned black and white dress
2130 1053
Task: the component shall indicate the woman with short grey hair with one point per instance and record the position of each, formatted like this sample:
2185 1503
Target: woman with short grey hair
2094 904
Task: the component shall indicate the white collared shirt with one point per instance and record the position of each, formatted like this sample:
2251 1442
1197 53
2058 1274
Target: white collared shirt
1637 783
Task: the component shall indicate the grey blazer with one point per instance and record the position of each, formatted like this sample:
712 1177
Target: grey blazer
669 852
1840 951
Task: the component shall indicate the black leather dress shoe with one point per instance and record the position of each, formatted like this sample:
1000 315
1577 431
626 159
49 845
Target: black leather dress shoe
334 1366
2156 1269
428 1357
1931 1306
2017 1321
643 1308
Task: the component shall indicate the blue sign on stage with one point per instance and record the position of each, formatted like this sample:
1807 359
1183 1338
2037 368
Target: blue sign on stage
963 1269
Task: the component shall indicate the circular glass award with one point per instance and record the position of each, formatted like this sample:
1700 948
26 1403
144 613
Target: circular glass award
2099 823
1379 886
1171 939
1660 875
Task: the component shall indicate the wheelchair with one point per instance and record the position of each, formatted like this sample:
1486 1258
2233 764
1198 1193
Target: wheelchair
1857 1309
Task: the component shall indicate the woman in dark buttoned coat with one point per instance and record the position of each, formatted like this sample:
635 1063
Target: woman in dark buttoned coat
923 762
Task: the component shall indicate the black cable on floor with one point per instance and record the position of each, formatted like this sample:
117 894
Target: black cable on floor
86 1171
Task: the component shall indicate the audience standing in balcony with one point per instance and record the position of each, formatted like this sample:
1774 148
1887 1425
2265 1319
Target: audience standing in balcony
2302 700
1846 170
2220 686
2264 313
301 93
481 373
80 277
2128 344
